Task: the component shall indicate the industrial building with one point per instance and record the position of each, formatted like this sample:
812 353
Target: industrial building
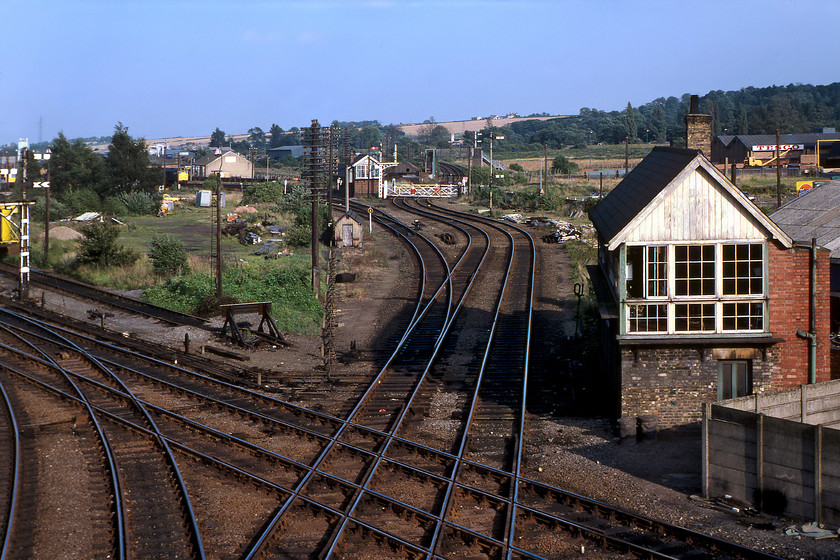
794 150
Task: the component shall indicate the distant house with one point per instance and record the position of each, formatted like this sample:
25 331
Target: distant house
700 294
228 164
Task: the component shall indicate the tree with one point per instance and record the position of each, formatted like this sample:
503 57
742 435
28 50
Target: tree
276 134
168 255
127 165
256 137
439 137
74 166
630 123
562 165
99 246
217 138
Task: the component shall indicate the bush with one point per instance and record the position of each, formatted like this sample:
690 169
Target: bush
168 255
113 206
58 210
79 201
299 236
99 246
293 199
140 203
271 191
562 165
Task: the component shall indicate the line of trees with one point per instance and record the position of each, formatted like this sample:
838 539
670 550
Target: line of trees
120 182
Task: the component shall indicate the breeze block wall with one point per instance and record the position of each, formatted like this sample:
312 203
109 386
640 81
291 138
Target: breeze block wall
789 309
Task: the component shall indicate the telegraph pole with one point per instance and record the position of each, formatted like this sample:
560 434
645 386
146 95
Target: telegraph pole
219 235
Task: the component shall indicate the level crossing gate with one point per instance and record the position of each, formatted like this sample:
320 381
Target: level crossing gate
420 191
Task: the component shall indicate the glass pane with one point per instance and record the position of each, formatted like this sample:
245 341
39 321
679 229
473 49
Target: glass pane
741 379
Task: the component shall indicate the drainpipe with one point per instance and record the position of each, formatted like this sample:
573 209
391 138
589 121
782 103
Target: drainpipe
812 335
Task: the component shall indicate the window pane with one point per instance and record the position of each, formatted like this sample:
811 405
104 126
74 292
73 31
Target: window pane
743 263
657 267
743 316
694 270
648 318
694 317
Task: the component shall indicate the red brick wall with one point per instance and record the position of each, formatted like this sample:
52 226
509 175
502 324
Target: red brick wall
366 187
789 291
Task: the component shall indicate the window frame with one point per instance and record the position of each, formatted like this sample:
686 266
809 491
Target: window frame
716 310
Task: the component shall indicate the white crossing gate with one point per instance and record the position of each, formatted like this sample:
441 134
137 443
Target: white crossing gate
421 191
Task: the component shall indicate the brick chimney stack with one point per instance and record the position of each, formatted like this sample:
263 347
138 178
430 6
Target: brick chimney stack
698 129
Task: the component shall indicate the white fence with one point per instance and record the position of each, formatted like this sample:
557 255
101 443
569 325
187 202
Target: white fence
424 191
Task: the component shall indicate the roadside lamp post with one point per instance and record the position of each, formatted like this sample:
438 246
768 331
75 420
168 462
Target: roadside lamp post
590 150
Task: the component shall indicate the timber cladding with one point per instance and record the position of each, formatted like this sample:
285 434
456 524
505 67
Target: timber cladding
781 466
673 381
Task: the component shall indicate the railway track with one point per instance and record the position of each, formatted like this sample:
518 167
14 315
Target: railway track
92 293
369 480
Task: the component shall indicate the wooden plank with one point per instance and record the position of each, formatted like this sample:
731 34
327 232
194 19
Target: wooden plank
226 353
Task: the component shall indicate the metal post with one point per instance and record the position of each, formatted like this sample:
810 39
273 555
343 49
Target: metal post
778 173
470 153
626 154
545 166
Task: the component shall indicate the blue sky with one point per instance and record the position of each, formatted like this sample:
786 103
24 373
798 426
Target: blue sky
185 67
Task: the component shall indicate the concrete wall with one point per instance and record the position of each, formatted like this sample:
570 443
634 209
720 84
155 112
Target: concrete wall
779 464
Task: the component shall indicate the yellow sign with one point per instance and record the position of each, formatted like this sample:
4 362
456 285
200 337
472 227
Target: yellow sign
803 186
7 226
370 210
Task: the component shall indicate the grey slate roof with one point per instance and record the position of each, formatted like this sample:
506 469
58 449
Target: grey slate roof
814 214
639 188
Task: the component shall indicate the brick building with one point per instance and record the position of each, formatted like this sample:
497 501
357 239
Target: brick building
365 177
700 294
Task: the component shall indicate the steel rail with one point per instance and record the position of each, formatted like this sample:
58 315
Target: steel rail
429 363
11 508
188 450
185 449
685 534
464 439
510 530
88 291
194 531
261 542
114 479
